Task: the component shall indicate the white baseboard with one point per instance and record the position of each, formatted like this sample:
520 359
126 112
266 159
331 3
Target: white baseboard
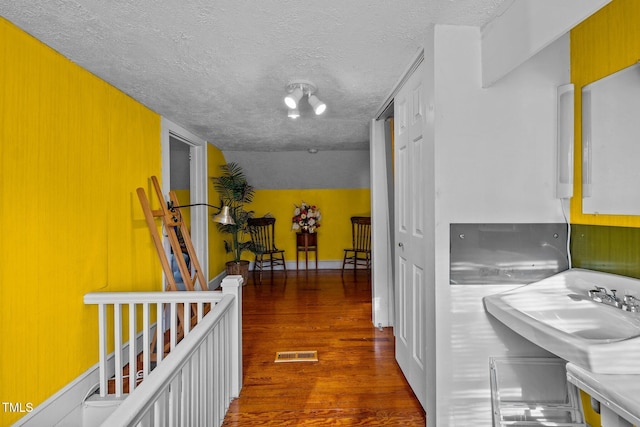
291 265
217 281
322 265
69 398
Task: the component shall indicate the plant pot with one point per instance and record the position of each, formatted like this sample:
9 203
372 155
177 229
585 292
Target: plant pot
240 268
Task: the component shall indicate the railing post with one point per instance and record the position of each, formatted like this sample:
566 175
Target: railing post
232 285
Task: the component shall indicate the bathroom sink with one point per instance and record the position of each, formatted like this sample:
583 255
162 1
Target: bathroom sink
557 314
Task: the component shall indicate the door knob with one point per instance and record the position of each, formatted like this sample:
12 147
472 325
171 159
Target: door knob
400 245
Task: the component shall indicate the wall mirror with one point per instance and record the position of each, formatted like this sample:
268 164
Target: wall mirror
611 144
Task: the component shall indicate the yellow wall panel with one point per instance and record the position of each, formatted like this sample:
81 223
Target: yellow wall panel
217 255
605 43
336 206
73 149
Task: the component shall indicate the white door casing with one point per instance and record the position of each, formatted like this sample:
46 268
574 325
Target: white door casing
410 232
198 190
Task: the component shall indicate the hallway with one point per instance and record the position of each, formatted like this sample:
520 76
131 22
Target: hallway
356 380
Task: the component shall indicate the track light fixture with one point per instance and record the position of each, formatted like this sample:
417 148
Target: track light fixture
296 90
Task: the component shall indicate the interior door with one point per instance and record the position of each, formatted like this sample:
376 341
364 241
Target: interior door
410 252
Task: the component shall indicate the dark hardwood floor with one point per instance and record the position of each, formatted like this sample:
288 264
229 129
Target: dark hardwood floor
355 381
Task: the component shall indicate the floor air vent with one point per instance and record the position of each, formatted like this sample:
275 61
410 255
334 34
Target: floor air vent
296 356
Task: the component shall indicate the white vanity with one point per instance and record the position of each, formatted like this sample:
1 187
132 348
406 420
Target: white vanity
591 320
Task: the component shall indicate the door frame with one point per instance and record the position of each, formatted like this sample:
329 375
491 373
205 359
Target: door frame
382 279
198 183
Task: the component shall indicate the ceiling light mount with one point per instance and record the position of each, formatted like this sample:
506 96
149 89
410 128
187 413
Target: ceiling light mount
296 90
307 87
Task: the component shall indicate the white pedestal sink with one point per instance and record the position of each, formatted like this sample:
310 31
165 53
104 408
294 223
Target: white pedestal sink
558 315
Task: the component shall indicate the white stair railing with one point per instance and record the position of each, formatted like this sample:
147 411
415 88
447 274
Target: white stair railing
203 372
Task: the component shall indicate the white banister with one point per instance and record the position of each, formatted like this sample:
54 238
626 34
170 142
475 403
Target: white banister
168 308
197 380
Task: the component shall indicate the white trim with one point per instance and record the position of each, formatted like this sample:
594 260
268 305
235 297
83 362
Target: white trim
67 402
216 282
382 279
322 265
383 287
291 267
198 178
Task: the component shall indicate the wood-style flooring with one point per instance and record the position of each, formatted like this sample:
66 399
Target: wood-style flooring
356 380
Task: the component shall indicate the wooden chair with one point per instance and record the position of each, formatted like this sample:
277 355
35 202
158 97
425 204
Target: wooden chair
360 252
263 244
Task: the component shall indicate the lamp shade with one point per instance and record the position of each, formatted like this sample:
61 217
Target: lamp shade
318 106
293 98
223 217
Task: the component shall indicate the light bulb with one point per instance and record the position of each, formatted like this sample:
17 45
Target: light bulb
294 113
292 99
318 106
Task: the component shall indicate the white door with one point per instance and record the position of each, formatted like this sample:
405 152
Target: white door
410 253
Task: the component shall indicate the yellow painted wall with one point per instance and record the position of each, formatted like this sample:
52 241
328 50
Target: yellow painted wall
604 43
73 150
336 206
217 255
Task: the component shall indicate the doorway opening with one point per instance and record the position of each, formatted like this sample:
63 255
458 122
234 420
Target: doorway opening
184 170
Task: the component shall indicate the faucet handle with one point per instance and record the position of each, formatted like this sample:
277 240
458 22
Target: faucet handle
631 303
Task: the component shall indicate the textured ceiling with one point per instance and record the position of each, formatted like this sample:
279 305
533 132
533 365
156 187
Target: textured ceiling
219 67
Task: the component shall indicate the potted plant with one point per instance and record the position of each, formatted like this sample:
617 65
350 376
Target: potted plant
235 192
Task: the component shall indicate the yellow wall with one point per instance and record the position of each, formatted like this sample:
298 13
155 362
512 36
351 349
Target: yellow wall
73 150
605 43
336 207
217 255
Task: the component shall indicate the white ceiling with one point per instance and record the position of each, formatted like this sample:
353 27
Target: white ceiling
219 67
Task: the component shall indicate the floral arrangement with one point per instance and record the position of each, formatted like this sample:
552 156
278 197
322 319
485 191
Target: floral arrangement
306 217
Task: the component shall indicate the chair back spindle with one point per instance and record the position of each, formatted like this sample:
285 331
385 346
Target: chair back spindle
361 231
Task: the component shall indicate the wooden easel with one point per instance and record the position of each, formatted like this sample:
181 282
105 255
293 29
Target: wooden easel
174 226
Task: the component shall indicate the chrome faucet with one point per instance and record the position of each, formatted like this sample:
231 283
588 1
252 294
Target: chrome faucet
628 303
601 295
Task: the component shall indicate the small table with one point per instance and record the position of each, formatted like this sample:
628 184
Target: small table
306 242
